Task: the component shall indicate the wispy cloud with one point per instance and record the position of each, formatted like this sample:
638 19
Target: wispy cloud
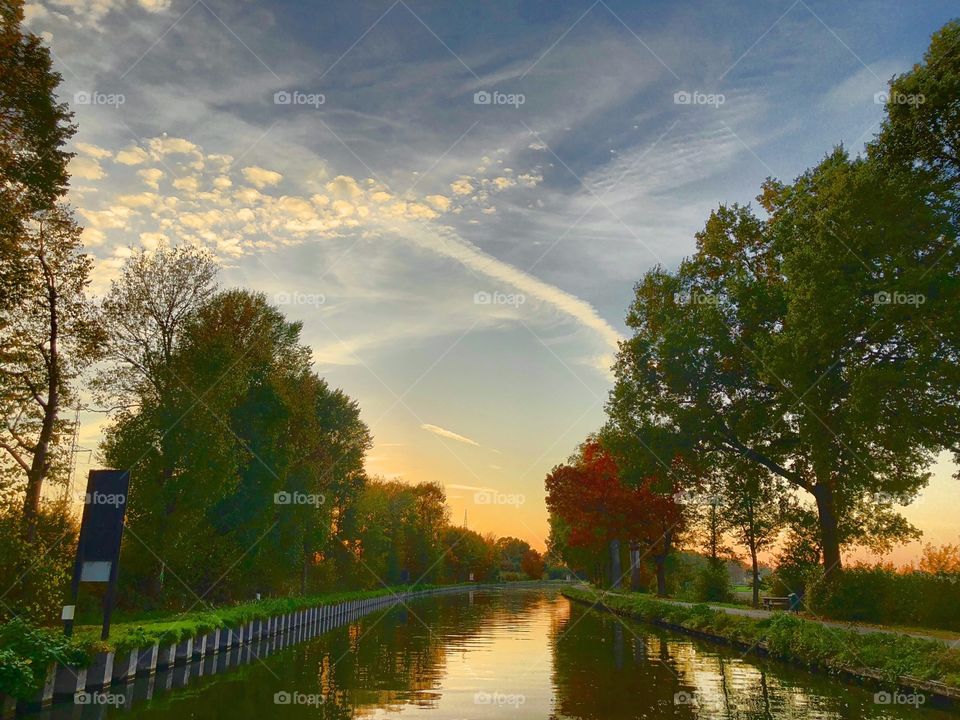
449 434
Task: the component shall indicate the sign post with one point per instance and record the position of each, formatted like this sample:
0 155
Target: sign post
98 548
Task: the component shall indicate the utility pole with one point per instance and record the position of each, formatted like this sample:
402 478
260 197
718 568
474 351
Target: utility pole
73 455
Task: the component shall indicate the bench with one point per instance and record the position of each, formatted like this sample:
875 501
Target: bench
775 603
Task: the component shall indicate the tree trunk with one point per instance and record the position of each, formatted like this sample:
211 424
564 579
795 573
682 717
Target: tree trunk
40 464
756 572
636 578
616 571
660 561
829 536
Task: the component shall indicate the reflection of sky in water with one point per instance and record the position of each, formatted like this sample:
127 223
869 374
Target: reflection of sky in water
523 654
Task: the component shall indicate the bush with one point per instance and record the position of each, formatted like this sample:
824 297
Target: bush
42 569
712 584
26 653
881 596
792 638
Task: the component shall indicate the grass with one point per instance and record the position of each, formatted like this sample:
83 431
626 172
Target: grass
163 629
788 637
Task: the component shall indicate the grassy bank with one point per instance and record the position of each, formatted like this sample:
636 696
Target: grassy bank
925 664
172 628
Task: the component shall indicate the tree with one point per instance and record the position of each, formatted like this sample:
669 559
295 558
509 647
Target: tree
468 553
599 509
34 127
281 457
776 344
511 552
756 506
145 315
922 126
533 564
49 338
397 532
943 559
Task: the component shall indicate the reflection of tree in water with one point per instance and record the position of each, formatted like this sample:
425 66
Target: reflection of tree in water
599 665
386 662
607 668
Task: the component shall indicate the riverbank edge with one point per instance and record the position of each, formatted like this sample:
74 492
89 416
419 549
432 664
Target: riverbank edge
692 620
234 626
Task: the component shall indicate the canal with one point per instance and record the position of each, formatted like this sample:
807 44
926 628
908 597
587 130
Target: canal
524 653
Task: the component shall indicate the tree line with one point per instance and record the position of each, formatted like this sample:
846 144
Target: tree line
247 467
791 383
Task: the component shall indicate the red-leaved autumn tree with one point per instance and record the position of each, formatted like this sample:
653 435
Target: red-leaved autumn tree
600 510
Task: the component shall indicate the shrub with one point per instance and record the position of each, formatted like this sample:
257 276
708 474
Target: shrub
42 569
879 595
26 653
712 584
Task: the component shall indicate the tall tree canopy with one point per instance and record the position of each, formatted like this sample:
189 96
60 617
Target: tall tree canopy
799 343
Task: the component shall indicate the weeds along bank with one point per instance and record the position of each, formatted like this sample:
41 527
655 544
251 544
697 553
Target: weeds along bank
926 665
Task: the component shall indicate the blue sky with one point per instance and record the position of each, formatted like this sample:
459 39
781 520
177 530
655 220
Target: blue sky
461 268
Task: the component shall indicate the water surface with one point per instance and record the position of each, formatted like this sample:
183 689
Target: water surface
524 653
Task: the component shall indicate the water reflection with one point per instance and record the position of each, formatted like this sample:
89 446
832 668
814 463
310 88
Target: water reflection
605 667
520 654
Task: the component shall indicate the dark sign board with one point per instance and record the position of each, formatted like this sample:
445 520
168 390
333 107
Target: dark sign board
101 531
104 505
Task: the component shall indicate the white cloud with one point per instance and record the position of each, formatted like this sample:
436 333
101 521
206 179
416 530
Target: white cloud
166 145
93 151
87 168
260 177
187 184
132 156
449 434
446 242
151 177
462 186
440 202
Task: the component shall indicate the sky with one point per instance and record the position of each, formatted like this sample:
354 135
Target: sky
456 199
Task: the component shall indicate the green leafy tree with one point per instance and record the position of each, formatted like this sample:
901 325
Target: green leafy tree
756 505
922 126
49 339
511 552
467 553
784 342
34 127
